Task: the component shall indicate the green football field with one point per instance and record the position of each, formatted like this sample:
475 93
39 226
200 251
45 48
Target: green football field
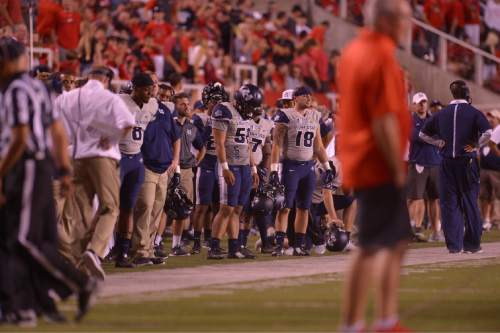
459 297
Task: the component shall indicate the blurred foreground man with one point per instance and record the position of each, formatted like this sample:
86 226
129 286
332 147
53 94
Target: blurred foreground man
32 142
374 113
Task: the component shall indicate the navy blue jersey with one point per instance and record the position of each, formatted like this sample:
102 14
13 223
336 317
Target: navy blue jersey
458 124
159 137
204 124
422 153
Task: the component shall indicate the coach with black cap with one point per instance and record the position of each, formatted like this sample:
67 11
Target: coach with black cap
458 130
96 120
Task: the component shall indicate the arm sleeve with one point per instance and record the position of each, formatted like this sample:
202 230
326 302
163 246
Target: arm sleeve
123 118
17 107
281 118
198 141
176 131
430 126
325 128
221 125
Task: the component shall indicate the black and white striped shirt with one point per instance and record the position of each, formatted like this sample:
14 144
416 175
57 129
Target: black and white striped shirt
27 101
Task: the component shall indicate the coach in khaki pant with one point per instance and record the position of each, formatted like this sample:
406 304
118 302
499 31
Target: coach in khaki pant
95 120
160 151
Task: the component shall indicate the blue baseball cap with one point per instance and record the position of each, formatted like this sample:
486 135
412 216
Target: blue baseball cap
301 91
198 105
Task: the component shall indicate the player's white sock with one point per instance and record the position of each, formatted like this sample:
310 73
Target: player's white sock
176 241
157 240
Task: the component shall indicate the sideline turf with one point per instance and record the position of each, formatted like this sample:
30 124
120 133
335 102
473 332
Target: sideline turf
437 298
201 259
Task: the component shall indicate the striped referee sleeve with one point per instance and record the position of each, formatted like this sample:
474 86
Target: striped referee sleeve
17 107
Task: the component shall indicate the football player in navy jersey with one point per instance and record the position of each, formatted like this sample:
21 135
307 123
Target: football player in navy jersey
296 138
237 172
206 176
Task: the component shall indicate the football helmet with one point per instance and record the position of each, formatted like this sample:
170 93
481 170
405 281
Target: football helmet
336 239
248 100
177 206
214 92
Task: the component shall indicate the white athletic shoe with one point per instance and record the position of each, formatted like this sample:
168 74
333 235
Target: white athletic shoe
319 249
437 237
92 262
288 252
350 246
487 226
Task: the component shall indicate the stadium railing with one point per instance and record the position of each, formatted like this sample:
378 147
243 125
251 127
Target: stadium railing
444 39
42 51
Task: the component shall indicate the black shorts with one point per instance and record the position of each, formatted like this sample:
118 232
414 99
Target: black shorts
382 218
423 184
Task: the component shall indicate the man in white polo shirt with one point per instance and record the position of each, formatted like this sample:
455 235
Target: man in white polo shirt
95 119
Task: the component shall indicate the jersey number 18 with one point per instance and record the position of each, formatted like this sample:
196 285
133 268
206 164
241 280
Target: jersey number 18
307 138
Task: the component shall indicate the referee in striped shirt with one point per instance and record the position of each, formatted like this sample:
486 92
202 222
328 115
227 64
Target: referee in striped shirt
33 265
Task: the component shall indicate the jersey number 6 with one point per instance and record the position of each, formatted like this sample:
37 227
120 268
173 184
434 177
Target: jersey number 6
137 133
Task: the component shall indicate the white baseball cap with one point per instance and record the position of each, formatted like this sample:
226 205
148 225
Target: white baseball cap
419 97
287 95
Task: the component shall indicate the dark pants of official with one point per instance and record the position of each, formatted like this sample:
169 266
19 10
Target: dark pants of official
459 191
31 263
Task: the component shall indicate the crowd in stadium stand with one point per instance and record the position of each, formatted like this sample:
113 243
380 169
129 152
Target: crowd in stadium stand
474 21
200 41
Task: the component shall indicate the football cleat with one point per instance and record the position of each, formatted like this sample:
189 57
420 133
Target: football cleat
179 251
236 255
247 253
278 251
215 254
300 252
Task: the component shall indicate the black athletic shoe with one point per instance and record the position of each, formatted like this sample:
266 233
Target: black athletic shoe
160 251
267 249
477 250
300 252
141 261
247 253
86 297
54 317
179 251
278 251
236 255
206 244
196 248
215 254
157 261
123 262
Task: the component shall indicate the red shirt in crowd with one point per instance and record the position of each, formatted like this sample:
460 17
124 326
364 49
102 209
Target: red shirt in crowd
159 31
14 9
183 43
435 12
47 17
304 62
456 12
472 12
320 60
318 34
68 29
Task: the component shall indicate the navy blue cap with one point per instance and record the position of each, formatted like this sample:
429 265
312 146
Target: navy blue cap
198 105
301 91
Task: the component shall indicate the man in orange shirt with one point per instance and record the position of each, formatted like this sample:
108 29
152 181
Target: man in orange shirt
375 119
